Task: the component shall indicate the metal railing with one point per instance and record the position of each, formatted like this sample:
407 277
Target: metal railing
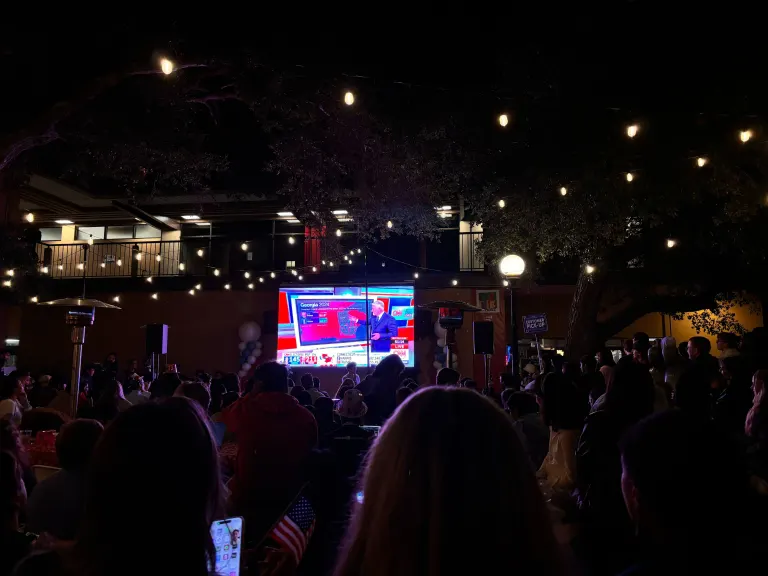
110 259
469 257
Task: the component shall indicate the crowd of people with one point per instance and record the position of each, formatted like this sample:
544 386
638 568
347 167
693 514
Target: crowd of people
652 462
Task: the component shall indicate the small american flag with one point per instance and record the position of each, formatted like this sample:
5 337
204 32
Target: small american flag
295 528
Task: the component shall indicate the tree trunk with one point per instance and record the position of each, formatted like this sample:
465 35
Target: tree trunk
583 333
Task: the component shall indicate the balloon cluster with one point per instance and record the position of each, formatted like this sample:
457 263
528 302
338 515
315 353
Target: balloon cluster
250 347
441 350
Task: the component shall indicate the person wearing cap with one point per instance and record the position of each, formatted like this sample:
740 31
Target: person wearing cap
42 393
352 411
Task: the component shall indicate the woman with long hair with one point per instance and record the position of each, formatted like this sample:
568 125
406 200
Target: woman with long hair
154 488
448 461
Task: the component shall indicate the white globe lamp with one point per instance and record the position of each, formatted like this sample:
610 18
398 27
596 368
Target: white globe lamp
512 266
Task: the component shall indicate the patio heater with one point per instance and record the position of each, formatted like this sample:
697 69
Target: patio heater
450 314
80 313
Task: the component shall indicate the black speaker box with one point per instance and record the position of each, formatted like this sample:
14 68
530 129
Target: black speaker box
156 338
482 337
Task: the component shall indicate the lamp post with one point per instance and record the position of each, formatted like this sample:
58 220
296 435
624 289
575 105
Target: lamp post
512 267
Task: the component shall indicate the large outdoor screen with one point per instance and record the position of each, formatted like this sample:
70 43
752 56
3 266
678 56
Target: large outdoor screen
332 326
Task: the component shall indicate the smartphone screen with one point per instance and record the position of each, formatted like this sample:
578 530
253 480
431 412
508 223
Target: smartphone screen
227 538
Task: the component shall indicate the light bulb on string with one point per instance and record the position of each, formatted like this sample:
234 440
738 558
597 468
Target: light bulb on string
90 241
119 262
415 274
359 251
338 232
116 299
455 282
701 161
198 287
671 243
632 130
7 283
200 252
291 240
389 224
81 266
216 272
45 270
502 204
349 98
589 269
563 191
294 272
103 265
503 120
154 296
192 292
323 262
261 279
138 256
182 266
506 282
29 217
630 176
244 247
314 268
158 257
301 277
61 267
149 279
33 299
250 286
10 272
745 135
227 286
166 66
330 264
272 275
246 275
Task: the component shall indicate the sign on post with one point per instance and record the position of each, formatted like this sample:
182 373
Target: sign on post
535 323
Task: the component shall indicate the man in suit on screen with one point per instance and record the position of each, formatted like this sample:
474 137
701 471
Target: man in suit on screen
383 328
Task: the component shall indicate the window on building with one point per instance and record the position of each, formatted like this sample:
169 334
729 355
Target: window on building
119 232
290 264
50 234
146 231
469 258
85 232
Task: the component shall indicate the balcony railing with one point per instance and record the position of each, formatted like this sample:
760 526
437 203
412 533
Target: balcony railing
469 259
110 259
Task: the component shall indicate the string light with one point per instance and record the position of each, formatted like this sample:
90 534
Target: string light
182 266
10 272
323 262
294 272
244 247
90 241
250 286
261 279
119 262
671 243
246 275
272 275
502 203
61 267
563 191
166 66
314 268
350 260
158 257
589 269
192 292
29 217
103 265
330 264
701 161
227 286
349 98
154 296
291 240
149 279
81 266
632 130
455 282
45 270
630 177
301 277
216 272
138 256
116 299
359 251
198 287
506 282
503 120
33 299
7 283
338 231
346 257
745 135
389 224
415 274
200 252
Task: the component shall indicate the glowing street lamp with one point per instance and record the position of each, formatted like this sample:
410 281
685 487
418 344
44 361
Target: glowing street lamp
512 267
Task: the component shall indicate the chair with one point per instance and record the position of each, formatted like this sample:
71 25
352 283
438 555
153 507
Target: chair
43 472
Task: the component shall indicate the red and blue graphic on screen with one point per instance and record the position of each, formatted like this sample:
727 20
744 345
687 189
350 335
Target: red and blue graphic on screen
329 326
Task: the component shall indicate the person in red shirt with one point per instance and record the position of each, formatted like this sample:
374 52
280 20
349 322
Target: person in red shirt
275 436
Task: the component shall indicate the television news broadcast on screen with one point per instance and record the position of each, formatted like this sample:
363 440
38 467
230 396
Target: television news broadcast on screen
332 326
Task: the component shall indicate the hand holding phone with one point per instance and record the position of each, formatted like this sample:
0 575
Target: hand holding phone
227 536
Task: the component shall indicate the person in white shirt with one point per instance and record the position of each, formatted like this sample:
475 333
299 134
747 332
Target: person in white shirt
139 395
14 400
352 374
